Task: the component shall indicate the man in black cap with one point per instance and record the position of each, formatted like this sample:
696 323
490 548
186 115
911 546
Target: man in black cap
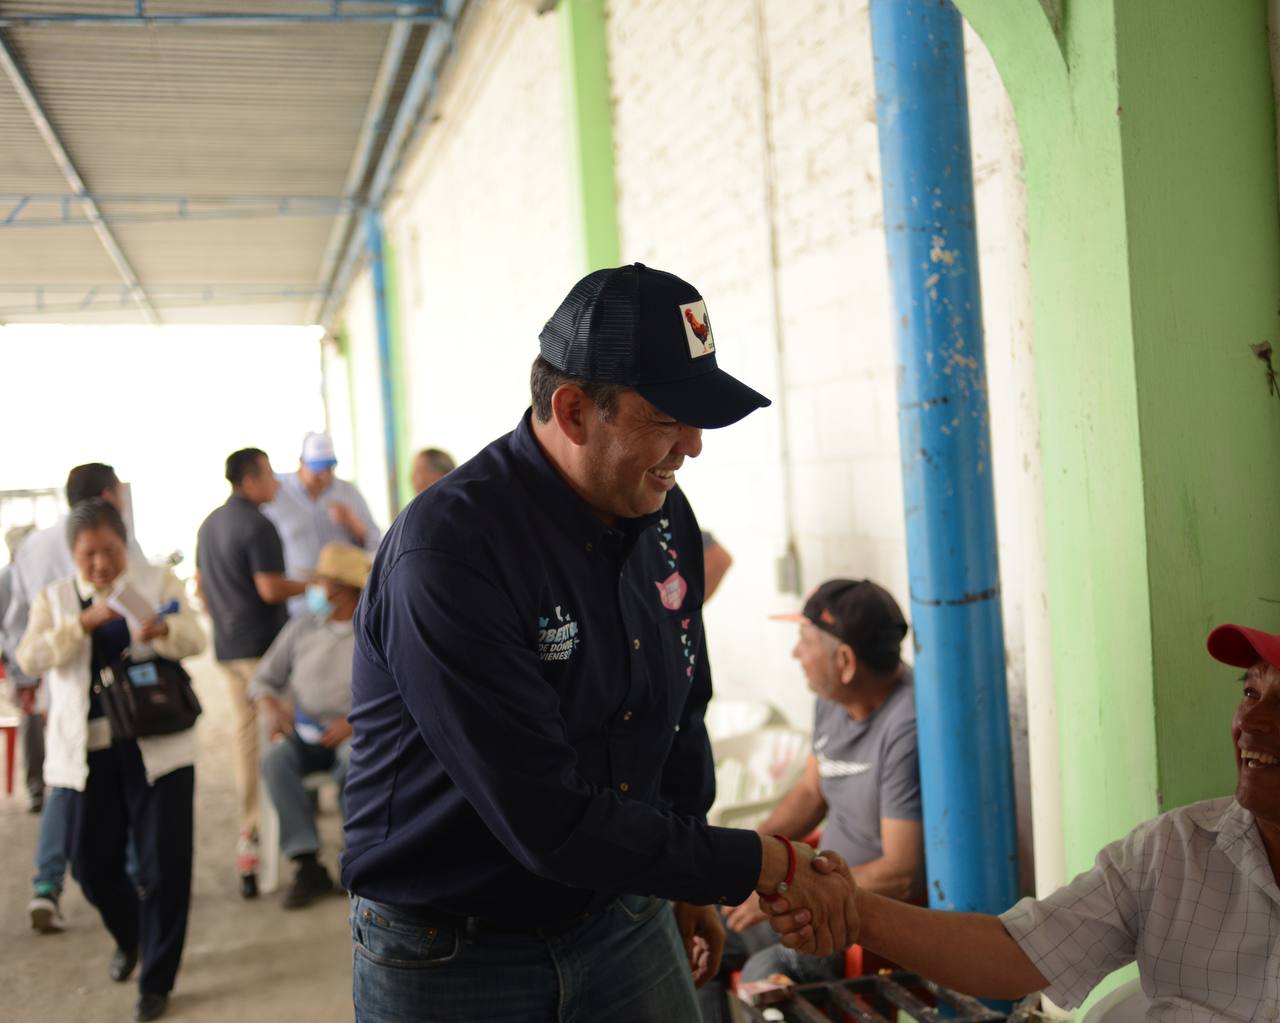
529 770
863 777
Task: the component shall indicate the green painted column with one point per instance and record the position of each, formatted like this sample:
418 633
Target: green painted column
590 131
344 348
1148 132
399 399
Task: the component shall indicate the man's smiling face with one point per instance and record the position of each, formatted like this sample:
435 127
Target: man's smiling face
1255 730
632 458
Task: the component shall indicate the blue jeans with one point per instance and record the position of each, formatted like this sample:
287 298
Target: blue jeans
284 769
51 845
625 964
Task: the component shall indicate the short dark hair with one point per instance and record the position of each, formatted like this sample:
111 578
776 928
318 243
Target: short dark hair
544 378
92 514
437 460
90 480
243 463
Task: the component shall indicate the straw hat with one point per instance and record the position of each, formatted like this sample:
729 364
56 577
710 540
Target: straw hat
344 564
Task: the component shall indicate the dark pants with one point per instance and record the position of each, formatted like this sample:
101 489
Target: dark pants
117 800
32 732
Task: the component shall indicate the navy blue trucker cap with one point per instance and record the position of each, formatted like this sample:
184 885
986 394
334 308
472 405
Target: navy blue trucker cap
648 330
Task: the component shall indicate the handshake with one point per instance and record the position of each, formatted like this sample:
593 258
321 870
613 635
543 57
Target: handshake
808 898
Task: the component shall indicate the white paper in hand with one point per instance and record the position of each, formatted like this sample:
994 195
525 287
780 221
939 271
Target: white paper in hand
127 602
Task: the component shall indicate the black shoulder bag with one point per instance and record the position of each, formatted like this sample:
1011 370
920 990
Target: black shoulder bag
147 697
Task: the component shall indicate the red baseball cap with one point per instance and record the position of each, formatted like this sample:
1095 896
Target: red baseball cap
1243 648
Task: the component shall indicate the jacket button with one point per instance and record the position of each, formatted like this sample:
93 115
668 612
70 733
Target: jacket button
626 716
590 547
636 643
625 787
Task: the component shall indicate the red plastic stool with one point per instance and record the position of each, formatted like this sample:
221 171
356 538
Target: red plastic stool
9 726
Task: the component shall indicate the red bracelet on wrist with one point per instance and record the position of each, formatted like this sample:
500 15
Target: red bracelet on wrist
791 865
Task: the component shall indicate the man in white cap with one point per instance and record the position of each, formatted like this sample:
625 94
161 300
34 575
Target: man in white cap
314 508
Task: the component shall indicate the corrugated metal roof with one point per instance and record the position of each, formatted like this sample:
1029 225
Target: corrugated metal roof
223 114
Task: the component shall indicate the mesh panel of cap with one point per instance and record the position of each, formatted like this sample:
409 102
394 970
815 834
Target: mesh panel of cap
592 334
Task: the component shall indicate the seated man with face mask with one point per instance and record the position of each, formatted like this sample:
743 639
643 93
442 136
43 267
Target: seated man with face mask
302 690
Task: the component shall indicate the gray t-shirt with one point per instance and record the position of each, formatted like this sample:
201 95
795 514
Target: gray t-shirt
309 663
867 770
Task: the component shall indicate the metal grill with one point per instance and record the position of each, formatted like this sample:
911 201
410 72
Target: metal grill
882 998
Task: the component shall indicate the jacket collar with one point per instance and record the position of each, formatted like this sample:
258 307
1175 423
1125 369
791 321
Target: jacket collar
559 501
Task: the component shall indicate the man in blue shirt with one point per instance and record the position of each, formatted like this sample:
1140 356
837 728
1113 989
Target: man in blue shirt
314 508
529 770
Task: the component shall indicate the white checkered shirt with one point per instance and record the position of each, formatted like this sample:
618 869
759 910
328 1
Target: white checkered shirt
1191 896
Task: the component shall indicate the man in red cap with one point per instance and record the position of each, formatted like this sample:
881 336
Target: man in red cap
1191 895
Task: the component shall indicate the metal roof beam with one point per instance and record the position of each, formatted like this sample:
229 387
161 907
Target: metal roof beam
31 210
26 92
418 92
410 12
108 298
374 116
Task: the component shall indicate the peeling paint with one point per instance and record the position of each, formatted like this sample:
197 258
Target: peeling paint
939 253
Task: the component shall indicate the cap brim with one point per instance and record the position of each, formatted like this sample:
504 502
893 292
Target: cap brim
1243 648
320 465
707 401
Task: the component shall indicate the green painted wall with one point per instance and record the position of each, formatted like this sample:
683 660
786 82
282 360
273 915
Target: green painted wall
1065 93
590 130
1197 129
1149 136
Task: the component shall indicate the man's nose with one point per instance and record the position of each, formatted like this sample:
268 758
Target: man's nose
689 443
1263 716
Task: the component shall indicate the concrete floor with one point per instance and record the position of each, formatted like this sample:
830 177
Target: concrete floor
244 961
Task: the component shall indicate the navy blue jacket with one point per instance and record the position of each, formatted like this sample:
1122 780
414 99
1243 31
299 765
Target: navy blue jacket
529 686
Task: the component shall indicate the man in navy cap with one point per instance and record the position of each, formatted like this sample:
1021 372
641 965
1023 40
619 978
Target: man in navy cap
1191 895
529 773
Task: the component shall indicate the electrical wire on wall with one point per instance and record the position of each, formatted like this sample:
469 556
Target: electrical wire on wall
788 565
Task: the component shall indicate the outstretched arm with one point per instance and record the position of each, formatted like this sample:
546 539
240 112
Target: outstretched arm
970 952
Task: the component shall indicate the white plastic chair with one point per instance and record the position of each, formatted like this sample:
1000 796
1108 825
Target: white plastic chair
724 718
754 771
1126 1004
269 830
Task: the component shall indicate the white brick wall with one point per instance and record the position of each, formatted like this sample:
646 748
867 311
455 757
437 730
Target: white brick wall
482 233
485 238
693 71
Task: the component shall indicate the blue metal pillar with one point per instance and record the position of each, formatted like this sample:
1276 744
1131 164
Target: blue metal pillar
373 242
961 703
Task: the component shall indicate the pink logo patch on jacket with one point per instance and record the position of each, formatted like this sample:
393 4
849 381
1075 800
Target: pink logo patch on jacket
672 591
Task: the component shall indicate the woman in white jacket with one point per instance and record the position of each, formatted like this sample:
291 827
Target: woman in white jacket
144 786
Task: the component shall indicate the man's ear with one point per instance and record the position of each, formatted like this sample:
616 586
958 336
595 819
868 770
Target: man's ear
570 409
846 663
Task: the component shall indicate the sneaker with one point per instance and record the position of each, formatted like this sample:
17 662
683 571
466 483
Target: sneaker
310 883
45 915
